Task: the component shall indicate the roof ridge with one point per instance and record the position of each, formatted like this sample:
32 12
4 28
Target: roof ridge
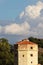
25 42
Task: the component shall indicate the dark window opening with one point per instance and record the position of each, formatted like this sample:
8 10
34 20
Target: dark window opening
23 55
31 55
31 62
31 47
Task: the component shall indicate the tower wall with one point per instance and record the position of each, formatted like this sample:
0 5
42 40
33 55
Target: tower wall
26 54
32 55
22 58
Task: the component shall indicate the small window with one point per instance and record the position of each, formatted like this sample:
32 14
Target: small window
23 55
31 47
31 55
31 62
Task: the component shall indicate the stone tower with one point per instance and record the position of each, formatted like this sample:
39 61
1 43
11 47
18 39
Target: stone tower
25 53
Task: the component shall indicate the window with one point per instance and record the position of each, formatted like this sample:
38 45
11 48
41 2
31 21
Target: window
31 47
31 62
23 55
31 55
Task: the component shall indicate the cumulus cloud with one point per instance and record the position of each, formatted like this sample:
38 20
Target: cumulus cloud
1 29
30 22
32 11
21 14
17 29
38 30
33 14
40 25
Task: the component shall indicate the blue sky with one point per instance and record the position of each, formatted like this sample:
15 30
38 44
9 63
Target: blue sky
10 9
21 19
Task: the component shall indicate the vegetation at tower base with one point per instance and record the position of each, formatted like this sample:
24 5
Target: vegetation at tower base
7 51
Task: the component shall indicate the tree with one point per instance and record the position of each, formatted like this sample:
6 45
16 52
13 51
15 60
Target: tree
6 57
37 41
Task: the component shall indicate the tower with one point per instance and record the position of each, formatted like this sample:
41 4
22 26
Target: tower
25 53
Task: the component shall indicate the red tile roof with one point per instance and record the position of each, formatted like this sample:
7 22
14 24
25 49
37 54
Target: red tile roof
26 42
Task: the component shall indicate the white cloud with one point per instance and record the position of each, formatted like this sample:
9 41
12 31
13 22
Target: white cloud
38 30
21 14
18 29
31 22
33 14
0 29
33 11
40 25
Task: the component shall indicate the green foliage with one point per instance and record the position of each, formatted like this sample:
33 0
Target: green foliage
6 56
40 58
36 40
